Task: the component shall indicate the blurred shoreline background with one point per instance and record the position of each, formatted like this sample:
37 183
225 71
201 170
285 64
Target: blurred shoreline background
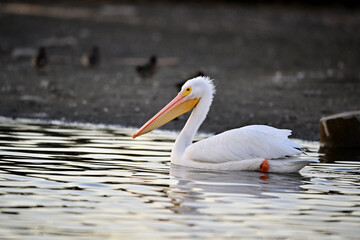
282 63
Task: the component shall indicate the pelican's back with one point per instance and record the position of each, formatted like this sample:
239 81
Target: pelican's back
255 141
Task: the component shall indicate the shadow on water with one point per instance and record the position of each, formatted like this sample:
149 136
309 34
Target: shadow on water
333 155
77 181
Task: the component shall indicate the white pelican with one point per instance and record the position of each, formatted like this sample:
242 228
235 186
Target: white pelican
256 147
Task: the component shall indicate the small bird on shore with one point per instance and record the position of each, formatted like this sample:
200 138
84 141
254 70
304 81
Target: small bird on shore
40 60
91 59
148 69
197 74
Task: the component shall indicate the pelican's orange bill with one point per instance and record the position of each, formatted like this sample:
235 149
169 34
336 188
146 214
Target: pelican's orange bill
172 110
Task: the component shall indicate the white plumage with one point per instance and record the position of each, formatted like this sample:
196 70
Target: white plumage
243 148
256 141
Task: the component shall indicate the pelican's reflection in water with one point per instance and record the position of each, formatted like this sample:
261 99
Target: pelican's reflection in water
197 188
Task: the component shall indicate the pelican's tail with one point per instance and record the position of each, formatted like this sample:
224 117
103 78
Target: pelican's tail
289 165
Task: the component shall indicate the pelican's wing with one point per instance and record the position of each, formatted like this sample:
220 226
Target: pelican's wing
256 141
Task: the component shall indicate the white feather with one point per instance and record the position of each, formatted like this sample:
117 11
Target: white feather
256 141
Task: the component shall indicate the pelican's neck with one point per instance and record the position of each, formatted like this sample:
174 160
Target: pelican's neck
192 125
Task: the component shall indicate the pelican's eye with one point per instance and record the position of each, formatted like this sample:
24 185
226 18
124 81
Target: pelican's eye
187 91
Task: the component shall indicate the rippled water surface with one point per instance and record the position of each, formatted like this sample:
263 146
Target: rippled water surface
91 182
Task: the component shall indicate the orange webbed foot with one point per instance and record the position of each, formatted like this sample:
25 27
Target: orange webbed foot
264 166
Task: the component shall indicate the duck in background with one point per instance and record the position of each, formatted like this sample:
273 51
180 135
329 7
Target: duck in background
148 69
92 58
40 60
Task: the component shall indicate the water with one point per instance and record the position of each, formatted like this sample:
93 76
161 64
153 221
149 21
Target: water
93 182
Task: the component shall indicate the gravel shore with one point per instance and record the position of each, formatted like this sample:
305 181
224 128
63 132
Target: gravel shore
282 66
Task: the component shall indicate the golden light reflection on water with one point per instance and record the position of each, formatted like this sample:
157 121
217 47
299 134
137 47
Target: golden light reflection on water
80 181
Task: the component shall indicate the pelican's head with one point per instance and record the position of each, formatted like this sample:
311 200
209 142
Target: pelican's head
190 94
198 87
